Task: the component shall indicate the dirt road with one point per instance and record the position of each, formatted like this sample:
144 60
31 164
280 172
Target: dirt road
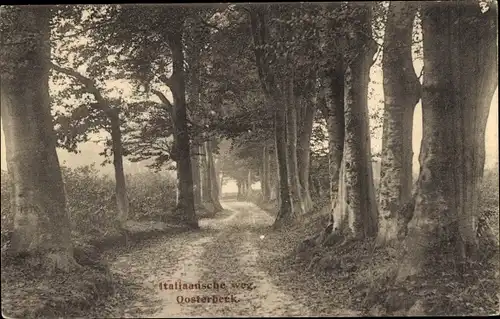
222 258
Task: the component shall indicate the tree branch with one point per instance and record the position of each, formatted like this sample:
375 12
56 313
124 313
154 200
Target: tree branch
102 103
258 51
169 106
83 30
166 80
164 100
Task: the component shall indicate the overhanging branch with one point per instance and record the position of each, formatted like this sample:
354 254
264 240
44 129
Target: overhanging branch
164 100
102 103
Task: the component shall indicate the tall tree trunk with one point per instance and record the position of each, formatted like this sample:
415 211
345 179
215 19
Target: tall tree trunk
214 189
273 164
195 164
360 193
273 187
244 189
113 114
207 184
260 35
401 92
332 105
120 183
342 217
304 152
185 206
217 177
249 183
293 171
286 213
42 227
455 105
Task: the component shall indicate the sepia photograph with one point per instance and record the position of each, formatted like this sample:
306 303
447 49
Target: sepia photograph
266 159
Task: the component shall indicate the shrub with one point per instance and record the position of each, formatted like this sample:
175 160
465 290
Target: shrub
153 195
91 201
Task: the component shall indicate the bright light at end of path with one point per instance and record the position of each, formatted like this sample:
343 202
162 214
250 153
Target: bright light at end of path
262 236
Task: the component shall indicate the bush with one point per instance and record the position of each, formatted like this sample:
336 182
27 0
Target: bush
91 201
153 195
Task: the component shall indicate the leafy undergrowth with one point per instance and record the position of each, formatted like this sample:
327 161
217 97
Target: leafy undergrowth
32 293
355 276
88 291
27 293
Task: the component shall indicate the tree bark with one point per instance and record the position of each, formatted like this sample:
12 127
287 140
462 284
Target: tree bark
286 213
455 105
304 152
195 164
212 178
249 184
42 227
120 183
360 193
332 106
273 164
185 206
275 97
293 171
401 92
207 184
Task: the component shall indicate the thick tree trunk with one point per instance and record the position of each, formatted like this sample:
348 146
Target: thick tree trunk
42 227
185 206
360 193
120 183
455 104
195 164
286 213
332 103
258 22
304 152
293 171
401 92
342 217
